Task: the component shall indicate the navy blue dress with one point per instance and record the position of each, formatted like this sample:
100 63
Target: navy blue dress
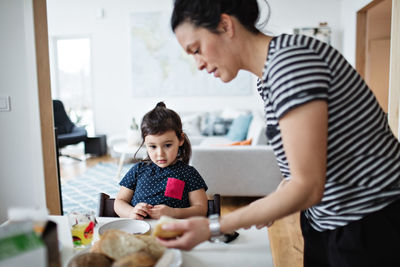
169 186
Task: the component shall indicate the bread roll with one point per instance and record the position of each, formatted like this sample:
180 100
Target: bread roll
165 234
117 244
155 249
90 259
136 259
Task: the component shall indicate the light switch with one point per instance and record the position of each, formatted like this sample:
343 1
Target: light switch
5 103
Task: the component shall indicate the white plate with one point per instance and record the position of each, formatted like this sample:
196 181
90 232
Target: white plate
170 258
129 225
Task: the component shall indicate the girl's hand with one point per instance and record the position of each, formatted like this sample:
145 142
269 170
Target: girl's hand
158 210
140 211
195 230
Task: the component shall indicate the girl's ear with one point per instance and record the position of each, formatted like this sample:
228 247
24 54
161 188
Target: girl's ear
226 25
182 139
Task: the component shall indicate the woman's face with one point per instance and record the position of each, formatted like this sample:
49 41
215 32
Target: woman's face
210 50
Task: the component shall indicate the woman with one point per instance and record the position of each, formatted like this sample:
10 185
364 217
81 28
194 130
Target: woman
340 160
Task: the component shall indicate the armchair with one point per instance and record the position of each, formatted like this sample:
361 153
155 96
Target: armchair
67 133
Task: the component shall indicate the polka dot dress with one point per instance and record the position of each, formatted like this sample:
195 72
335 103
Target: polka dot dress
169 186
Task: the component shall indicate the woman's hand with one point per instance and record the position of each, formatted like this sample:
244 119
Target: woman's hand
195 230
158 210
140 211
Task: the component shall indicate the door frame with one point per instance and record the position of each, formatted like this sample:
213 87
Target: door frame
50 169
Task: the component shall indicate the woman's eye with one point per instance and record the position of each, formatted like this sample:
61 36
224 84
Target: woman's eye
196 51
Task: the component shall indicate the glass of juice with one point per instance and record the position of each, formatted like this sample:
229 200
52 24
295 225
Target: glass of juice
82 225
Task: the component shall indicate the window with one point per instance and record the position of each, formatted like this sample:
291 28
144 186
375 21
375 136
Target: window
72 80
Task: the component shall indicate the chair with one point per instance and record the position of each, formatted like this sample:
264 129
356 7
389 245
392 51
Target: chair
67 133
106 205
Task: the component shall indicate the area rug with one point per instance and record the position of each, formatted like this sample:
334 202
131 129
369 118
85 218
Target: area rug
82 192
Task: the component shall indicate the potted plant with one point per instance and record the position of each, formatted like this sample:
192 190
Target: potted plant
133 135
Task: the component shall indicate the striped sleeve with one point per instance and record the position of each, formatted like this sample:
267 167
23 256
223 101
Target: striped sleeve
297 76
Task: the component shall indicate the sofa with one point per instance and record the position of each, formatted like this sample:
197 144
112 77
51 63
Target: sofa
236 168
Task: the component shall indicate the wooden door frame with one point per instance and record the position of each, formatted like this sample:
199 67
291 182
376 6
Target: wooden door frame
52 186
394 77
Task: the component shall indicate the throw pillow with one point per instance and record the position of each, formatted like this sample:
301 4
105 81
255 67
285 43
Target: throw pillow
238 143
239 127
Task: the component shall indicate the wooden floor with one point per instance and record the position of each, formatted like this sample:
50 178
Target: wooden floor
285 235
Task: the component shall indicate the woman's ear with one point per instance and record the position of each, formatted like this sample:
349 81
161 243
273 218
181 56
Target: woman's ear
226 25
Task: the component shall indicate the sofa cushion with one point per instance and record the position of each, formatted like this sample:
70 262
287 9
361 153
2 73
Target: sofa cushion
239 128
257 129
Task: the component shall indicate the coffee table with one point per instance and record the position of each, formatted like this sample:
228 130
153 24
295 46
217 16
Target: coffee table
127 149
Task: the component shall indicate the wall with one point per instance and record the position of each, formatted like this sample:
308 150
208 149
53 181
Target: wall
21 165
114 104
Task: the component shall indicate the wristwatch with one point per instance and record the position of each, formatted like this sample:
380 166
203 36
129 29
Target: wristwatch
215 229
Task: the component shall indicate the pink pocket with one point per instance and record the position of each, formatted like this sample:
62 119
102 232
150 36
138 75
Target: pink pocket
174 188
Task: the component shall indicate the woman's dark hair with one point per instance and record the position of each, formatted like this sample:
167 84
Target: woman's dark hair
160 120
207 13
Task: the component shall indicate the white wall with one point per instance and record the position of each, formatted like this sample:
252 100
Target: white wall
114 104
21 171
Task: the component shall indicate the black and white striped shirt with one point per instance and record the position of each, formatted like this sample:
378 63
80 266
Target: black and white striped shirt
363 157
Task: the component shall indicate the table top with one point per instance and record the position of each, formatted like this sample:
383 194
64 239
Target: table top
126 148
251 248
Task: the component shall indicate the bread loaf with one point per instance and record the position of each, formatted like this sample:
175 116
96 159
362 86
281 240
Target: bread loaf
90 259
117 244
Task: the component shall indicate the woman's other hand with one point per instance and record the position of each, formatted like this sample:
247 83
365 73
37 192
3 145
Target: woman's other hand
196 231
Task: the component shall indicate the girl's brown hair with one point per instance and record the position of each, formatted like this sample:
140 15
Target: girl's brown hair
160 120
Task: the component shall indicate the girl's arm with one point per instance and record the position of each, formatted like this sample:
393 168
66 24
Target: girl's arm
198 207
304 135
123 207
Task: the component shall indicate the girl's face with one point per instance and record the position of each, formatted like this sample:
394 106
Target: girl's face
163 148
210 50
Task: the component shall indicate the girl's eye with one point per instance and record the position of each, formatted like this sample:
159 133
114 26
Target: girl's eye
168 145
195 51
152 147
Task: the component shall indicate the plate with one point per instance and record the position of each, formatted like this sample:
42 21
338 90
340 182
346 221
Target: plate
170 258
129 225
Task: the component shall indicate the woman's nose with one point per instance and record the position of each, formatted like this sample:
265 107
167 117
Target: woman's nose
200 63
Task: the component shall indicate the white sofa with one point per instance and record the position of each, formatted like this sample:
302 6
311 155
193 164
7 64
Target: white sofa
245 170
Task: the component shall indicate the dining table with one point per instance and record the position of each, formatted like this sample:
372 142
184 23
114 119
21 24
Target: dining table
250 248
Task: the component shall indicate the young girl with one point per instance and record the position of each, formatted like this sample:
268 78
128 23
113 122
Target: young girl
163 183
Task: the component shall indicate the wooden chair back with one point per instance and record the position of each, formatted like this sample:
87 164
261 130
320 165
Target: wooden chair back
106 206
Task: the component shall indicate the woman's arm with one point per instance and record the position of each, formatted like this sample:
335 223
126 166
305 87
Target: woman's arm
198 207
123 207
304 136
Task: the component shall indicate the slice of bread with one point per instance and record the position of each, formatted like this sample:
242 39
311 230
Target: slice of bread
165 234
117 244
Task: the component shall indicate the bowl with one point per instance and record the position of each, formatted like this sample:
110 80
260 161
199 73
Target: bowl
128 225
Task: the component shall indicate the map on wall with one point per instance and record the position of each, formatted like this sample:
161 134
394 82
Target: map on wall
160 67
